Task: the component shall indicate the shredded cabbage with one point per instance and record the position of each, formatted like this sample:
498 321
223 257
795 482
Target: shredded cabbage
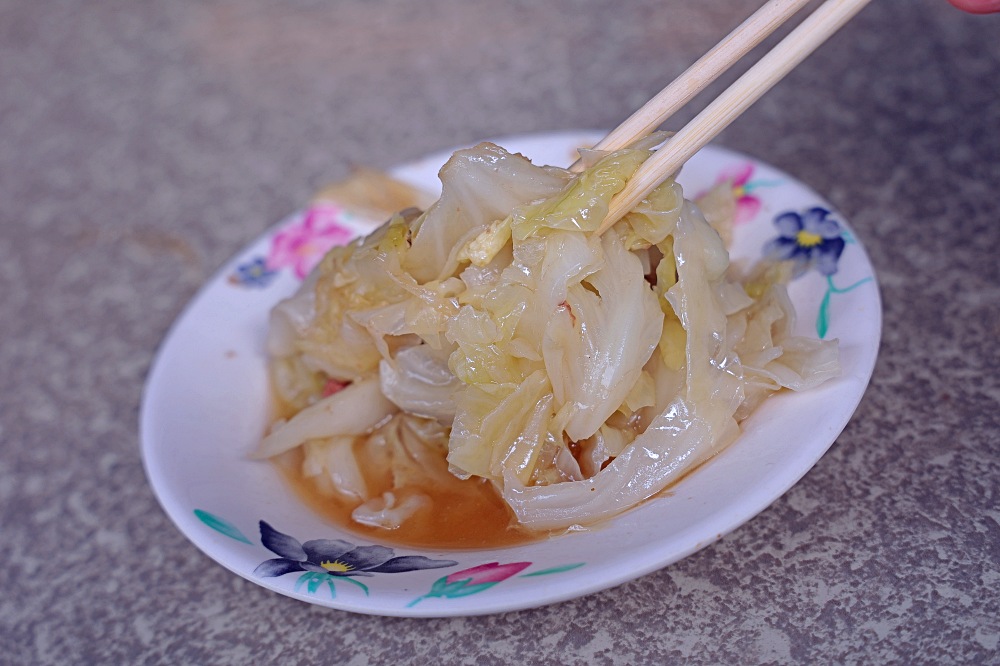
495 336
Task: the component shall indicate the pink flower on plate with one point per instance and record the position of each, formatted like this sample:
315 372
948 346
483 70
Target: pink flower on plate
302 244
473 580
738 177
494 572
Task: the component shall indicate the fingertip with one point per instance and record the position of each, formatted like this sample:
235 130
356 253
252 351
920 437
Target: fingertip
977 6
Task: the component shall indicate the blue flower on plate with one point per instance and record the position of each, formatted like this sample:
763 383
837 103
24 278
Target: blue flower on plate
253 273
335 557
809 239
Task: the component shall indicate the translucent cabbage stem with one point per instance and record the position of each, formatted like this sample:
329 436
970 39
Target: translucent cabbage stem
355 410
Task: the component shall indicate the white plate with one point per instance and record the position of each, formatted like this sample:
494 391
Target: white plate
206 405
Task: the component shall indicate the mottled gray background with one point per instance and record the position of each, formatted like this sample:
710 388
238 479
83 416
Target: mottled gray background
142 144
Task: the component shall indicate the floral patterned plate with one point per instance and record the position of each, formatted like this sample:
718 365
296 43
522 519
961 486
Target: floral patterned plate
206 406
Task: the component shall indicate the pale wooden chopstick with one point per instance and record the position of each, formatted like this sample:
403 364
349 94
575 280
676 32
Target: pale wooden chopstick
728 106
695 78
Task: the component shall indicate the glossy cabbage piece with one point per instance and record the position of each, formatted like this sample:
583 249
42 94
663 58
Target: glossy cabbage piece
578 374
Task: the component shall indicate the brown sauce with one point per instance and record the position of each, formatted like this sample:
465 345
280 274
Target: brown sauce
464 514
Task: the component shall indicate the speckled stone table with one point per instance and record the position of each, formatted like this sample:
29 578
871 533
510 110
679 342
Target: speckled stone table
141 144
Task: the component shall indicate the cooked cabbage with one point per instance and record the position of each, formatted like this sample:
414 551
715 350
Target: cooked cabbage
579 374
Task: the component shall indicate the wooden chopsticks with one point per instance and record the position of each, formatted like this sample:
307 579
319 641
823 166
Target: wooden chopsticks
774 66
695 78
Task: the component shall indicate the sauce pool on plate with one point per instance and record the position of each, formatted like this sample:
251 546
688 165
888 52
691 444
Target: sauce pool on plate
461 514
